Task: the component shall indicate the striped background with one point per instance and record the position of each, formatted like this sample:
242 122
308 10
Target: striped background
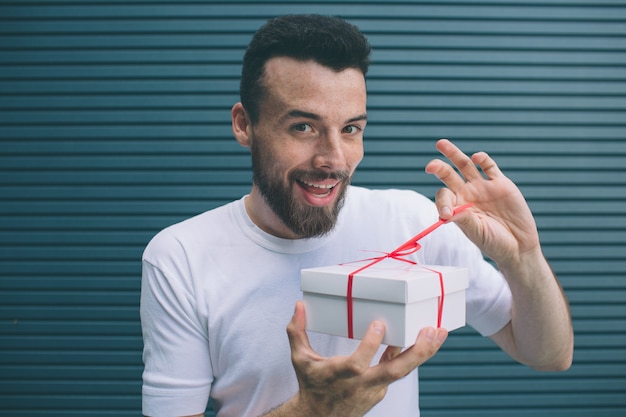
114 123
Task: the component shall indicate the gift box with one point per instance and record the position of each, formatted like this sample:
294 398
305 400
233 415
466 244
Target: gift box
406 297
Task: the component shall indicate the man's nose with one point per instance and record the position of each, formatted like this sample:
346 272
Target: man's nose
329 151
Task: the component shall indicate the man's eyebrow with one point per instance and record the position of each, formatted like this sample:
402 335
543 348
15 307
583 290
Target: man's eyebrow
361 117
301 113
313 116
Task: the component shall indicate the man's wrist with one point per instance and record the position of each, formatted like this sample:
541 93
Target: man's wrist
526 268
292 407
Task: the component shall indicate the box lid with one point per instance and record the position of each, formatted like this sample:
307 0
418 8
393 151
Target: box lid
390 280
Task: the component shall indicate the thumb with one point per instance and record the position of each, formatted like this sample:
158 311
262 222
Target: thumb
296 332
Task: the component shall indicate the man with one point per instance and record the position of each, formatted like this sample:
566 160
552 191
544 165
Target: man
218 289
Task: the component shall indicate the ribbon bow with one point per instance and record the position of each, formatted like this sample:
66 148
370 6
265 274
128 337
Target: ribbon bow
409 247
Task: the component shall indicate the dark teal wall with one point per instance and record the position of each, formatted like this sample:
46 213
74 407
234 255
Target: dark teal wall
114 123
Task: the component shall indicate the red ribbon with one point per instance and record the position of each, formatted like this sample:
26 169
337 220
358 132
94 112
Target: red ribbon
409 247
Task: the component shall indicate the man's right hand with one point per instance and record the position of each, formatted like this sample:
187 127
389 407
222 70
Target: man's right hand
350 386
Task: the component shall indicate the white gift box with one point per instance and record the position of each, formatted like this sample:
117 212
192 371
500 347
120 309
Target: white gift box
404 296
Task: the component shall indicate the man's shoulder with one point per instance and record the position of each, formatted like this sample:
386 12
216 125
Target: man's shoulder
204 226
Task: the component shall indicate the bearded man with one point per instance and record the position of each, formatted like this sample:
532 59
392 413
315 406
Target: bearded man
219 289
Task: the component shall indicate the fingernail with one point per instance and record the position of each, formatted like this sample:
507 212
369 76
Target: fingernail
430 333
446 212
378 327
441 335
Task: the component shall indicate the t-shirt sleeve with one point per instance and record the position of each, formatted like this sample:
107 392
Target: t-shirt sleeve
488 299
177 373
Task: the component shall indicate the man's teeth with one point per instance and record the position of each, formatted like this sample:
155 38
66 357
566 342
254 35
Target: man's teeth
323 186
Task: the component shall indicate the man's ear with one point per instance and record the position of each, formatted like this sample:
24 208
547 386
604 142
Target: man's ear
242 127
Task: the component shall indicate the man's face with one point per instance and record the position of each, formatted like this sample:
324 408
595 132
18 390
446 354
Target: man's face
306 145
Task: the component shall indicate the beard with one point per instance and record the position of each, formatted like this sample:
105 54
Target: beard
303 220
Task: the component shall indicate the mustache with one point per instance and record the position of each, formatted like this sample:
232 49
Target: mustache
319 175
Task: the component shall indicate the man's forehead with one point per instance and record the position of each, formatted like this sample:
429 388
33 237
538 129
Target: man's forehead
295 88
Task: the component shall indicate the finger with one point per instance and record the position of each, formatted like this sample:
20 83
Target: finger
445 173
487 164
428 342
296 332
362 357
464 163
390 353
445 200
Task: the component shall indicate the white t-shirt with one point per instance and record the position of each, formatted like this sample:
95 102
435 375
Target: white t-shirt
218 292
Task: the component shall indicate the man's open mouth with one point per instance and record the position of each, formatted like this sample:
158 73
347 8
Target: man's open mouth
321 189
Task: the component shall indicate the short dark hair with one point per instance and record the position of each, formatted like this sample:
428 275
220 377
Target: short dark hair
329 41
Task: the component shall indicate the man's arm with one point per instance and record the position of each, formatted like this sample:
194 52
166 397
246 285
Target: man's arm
500 223
540 332
348 386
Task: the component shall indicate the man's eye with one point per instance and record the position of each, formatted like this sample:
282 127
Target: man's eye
351 129
302 127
